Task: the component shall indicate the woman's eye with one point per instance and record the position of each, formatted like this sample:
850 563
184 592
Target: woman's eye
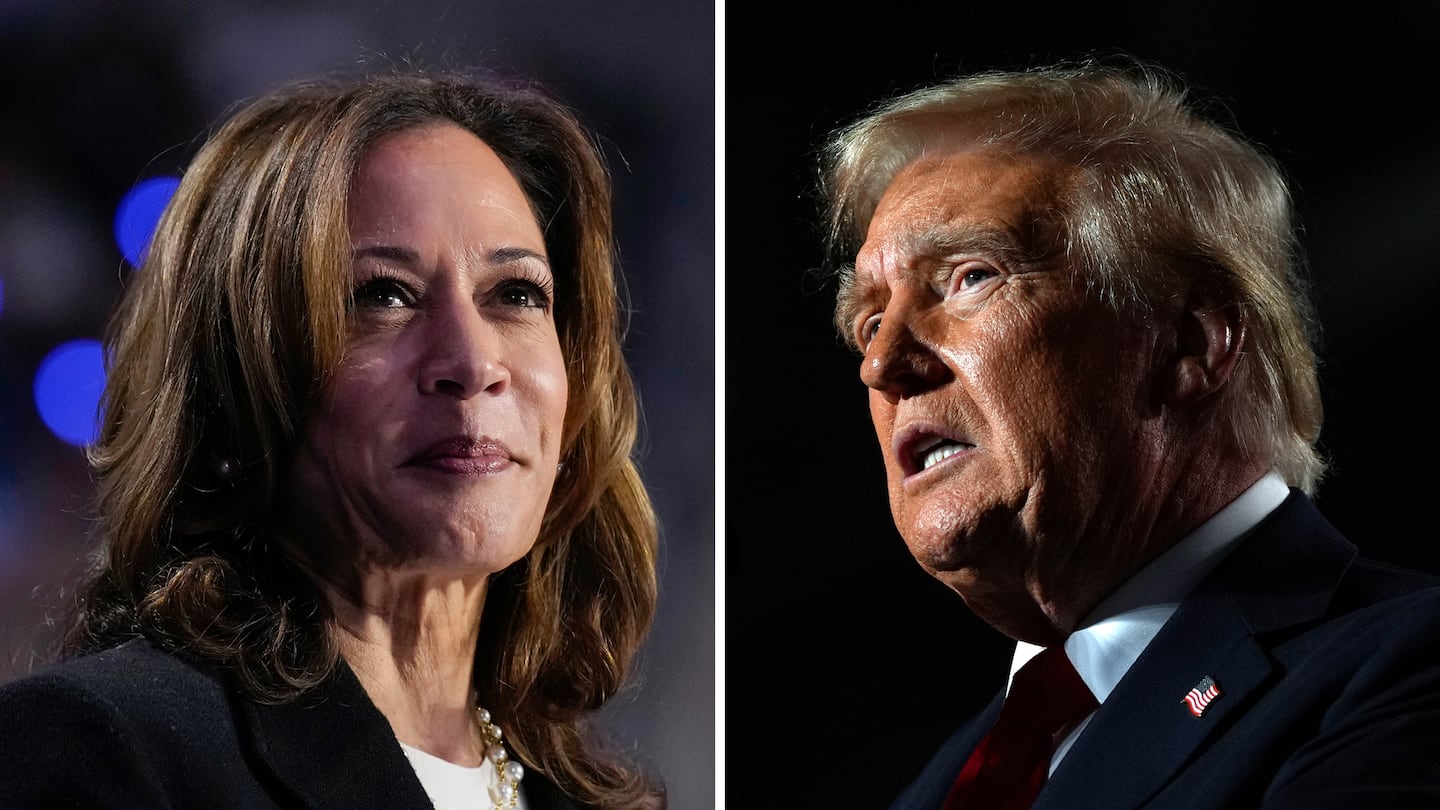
525 294
382 293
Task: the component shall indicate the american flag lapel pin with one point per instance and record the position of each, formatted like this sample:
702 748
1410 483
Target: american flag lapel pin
1200 696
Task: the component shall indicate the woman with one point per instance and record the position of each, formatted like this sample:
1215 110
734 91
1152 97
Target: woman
365 479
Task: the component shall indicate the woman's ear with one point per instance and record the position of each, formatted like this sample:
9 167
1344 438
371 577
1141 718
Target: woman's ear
1209 336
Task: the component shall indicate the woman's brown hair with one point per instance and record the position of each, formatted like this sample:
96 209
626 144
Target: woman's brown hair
228 332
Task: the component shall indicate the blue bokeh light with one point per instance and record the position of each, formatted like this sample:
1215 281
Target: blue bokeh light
138 213
67 390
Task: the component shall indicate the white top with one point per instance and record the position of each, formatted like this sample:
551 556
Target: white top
455 787
1114 634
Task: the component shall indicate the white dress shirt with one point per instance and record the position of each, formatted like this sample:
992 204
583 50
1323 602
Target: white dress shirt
1114 634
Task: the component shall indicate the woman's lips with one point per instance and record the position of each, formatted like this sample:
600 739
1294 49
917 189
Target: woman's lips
464 456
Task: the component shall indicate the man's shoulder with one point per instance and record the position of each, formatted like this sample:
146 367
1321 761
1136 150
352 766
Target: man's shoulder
1297 563
1379 613
1369 581
1374 600
1301 585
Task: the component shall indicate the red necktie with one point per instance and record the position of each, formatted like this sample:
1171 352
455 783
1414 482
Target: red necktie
1009 765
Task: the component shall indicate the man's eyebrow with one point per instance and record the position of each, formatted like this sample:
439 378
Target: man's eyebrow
858 291
852 296
947 238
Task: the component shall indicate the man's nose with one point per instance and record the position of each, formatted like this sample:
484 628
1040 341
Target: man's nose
901 360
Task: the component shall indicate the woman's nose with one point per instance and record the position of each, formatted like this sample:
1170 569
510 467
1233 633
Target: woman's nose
461 352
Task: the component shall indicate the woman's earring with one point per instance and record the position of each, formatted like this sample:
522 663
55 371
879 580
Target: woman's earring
226 469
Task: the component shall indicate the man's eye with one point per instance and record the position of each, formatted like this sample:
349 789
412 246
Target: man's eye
382 293
869 328
975 275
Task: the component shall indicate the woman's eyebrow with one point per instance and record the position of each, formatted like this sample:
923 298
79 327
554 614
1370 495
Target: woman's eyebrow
392 252
405 255
507 255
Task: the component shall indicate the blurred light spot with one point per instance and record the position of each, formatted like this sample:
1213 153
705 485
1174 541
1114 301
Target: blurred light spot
138 213
67 390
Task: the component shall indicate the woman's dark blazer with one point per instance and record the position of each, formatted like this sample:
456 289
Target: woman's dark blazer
137 727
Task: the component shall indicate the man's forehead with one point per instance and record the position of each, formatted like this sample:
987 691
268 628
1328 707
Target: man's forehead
973 184
943 204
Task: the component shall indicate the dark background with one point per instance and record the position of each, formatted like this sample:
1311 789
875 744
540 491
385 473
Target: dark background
96 95
845 664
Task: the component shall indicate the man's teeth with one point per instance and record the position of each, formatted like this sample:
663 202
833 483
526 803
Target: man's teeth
939 454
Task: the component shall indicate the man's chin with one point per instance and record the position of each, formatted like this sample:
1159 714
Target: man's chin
1006 606
946 555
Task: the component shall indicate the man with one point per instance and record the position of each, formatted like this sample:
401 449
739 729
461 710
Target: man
1091 370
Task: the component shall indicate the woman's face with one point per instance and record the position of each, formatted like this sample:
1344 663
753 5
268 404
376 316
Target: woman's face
434 446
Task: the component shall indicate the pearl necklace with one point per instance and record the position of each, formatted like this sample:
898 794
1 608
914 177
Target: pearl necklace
506 791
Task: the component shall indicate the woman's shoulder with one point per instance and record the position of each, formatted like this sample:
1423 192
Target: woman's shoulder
113 728
133 675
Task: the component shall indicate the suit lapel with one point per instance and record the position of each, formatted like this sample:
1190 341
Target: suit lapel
1145 733
332 748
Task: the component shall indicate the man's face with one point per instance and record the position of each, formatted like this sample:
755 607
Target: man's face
1009 404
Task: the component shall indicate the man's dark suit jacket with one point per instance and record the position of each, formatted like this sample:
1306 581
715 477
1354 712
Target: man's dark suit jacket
136 727
1329 671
